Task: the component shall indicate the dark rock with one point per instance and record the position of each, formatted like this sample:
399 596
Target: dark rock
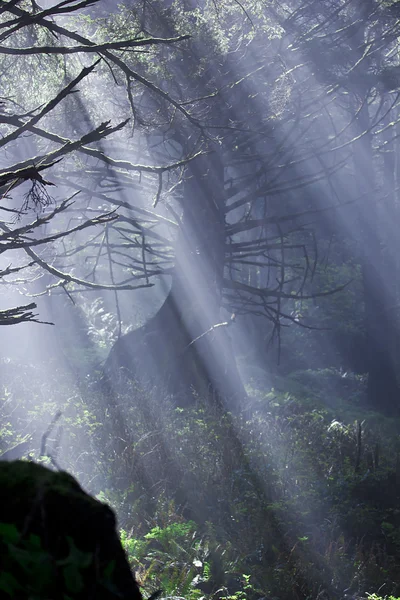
56 541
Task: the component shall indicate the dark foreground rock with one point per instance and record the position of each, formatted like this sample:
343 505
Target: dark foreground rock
56 541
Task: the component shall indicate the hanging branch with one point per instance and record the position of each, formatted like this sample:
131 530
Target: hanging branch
20 314
49 106
97 48
27 236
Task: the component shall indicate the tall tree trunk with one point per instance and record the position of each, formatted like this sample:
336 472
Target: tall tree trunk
382 391
390 248
185 349
186 346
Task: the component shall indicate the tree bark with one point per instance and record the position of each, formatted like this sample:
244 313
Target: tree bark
186 347
382 390
185 351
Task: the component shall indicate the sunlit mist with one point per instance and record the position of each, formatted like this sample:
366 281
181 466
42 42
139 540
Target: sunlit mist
200 281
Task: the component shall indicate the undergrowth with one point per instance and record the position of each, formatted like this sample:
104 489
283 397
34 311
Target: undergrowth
193 519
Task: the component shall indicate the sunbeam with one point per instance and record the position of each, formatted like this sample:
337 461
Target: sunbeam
199 257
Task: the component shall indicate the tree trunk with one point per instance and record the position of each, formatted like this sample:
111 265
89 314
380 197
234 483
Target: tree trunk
184 350
185 347
382 391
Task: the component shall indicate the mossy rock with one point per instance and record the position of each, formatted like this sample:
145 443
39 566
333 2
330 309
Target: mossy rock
56 541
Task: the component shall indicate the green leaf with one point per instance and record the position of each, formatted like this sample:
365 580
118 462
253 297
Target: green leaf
76 556
109 570
34 542
73 579
9 584
9 533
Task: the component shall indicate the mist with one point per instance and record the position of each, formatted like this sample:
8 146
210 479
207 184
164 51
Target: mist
200 283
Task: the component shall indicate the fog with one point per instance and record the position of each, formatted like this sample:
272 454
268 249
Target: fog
212 231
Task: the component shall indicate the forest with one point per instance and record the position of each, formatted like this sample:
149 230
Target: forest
200 299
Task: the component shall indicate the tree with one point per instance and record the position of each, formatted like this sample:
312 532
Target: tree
37 137
236 206
240 166
352 52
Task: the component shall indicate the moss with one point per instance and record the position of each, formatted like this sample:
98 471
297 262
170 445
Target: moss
76 543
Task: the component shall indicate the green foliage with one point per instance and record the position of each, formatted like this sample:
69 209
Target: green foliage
167 535
377 597
193 518
335 523
29 569
102 325
168 557
246 591
338 337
